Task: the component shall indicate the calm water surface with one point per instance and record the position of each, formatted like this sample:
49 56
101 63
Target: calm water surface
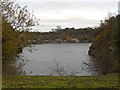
44 58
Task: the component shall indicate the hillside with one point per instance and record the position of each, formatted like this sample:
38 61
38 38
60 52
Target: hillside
105 47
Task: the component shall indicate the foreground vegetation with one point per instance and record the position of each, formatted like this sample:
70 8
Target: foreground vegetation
103 81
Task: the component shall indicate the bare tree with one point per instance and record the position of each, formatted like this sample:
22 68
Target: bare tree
19 17
60 70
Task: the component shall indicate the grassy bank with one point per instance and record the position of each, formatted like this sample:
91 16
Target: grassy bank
106 81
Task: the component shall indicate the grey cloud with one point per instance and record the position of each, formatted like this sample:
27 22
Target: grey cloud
64 5
57 6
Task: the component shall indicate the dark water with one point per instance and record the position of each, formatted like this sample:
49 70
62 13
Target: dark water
46 58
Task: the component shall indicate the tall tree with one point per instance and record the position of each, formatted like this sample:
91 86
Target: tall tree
15 19
19 17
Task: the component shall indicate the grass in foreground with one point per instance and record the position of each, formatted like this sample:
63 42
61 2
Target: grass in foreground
104 81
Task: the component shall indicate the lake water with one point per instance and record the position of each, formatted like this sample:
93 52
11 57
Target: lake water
46 59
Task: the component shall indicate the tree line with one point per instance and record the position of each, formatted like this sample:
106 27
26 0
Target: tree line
66 35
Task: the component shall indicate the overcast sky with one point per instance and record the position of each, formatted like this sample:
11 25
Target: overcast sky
69 13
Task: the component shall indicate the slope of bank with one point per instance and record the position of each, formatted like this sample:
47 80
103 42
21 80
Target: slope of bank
105 47
102 81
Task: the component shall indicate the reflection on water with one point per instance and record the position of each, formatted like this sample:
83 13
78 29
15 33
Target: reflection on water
57 59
